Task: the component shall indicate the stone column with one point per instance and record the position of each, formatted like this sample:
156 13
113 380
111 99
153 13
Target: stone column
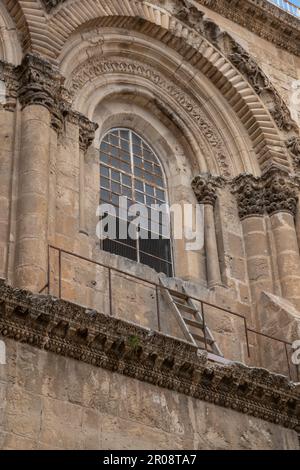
250 198
205 188
281 198
39 83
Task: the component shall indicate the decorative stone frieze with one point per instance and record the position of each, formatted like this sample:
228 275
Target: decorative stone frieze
275 191
205 188
72 331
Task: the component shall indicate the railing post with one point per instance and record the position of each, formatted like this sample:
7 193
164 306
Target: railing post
204 326
59 275
157 308
110 293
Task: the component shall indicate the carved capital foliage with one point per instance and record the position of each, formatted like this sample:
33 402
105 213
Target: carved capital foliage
281 193
275 191
72 331
39 83
250 197
205 188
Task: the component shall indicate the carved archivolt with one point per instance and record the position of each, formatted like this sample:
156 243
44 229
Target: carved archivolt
98 66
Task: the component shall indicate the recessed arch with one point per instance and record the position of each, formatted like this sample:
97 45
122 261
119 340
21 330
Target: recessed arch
190 99
204 58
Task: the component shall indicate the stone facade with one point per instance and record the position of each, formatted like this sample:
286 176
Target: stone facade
194 80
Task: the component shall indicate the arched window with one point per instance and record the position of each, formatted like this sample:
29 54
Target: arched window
129 168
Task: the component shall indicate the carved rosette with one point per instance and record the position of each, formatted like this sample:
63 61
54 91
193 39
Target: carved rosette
205 188
276 191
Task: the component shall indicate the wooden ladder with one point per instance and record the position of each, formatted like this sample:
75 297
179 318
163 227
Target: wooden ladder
190 319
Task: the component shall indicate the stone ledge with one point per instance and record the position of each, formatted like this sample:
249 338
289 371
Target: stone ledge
86 335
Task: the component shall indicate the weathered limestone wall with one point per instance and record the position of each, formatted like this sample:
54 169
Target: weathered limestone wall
49 402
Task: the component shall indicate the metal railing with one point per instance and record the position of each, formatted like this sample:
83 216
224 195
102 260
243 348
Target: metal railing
287 6
292 371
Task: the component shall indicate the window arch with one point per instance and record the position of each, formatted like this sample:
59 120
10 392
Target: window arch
130 168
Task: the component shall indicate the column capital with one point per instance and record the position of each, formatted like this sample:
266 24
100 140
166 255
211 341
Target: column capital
249 192
87 129
39 84
280 192
275 191
205 187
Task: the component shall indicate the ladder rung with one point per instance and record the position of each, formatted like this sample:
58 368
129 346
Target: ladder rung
187 308
194 323
202 340
177 294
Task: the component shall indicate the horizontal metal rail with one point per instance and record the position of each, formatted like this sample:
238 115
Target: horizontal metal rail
157 287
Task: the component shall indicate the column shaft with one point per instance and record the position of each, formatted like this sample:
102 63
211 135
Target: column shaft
32 210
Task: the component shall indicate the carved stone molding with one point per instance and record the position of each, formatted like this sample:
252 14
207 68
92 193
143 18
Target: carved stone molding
69 330
205 188
97 66
275 191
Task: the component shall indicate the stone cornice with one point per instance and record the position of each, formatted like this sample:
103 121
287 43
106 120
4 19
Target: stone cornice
275 191
262 18
72 331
